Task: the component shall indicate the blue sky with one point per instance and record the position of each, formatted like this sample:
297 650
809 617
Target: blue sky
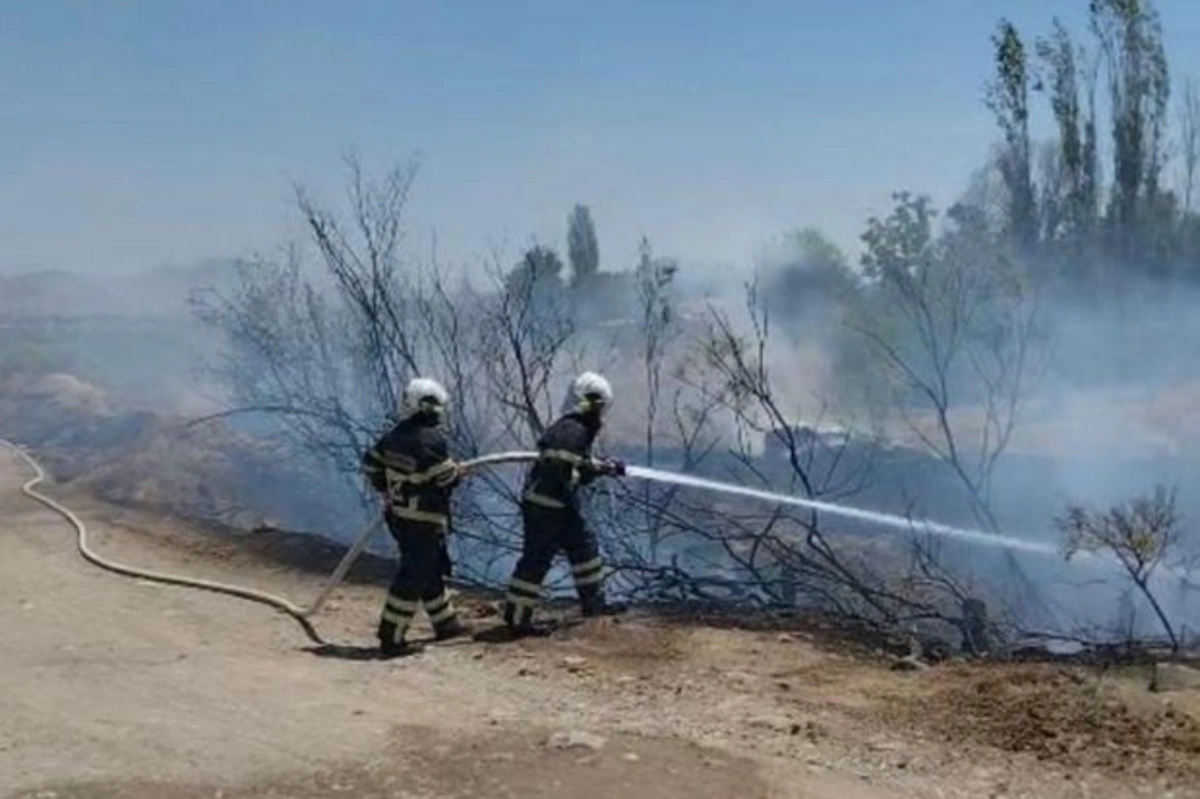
138 134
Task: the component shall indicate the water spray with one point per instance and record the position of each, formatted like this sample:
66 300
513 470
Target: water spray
835 509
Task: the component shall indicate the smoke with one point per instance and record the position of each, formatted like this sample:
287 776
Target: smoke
1116 411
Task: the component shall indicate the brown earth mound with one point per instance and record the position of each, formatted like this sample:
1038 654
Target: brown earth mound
1059 715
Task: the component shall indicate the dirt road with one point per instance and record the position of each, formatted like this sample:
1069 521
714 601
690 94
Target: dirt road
114 687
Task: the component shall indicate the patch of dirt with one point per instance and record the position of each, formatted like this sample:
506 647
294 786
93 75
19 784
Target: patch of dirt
425 762
1058 714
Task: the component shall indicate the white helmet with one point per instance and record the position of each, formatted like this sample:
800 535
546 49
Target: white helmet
423 394
588 391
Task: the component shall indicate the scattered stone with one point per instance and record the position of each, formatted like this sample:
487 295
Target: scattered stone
576 739
499 757
773 723
574 663
632 757
739 678
815 731
785 638
1174 677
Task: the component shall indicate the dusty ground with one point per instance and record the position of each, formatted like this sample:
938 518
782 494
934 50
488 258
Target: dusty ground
114 687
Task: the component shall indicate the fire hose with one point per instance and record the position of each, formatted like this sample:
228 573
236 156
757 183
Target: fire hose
300 613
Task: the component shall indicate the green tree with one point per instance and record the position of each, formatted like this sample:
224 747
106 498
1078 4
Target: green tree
1141 534
583 249
540 269
1074 200
1130 38
1008 98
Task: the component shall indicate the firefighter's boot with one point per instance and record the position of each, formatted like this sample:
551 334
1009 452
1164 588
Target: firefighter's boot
592 603
394 645
454 627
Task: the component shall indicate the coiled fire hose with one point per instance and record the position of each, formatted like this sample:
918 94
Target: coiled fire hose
301 614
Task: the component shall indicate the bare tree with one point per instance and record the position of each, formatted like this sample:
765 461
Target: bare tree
527 328
657 326
955 324
791 556
327 358
1141 534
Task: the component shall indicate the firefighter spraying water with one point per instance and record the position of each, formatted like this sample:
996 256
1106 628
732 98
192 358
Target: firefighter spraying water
412 469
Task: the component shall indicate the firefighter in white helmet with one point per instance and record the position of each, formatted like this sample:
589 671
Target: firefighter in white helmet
550 507
411 466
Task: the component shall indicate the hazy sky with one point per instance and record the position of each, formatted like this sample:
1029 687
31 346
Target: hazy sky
136 134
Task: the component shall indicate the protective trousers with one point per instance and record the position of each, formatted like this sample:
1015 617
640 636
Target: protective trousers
547 531
419 582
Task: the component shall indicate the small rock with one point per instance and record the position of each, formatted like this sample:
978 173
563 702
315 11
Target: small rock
1174 677
574 663
785 638
499 757
626 679
632 757
576 739
815 731
784 686
773 723
739 678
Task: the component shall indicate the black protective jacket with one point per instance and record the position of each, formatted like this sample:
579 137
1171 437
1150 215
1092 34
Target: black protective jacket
411 464
564 462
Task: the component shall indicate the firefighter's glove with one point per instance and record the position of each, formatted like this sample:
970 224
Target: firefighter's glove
613 467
